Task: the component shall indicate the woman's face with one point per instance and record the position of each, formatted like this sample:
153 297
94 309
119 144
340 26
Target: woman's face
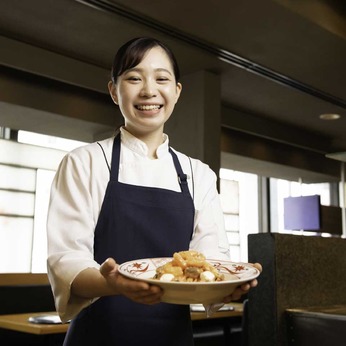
147 93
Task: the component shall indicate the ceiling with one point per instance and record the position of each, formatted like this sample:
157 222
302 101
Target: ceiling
280 61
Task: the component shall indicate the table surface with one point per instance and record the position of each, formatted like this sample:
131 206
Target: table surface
20 323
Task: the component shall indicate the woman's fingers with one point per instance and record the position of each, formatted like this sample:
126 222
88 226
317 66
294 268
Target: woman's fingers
147 295
138 291
240 291
151 296
257 266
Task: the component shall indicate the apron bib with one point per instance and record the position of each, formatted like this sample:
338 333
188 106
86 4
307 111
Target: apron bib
137 222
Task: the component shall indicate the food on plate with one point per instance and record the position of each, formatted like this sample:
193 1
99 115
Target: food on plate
188 266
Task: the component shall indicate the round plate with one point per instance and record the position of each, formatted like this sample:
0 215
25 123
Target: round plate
191 292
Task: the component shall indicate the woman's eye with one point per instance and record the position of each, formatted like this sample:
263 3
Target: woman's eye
162 79
134 79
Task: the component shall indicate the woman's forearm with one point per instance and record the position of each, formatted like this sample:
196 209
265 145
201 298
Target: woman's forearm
90 283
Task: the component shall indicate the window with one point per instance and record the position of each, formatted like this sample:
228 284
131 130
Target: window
239 193
26 174
239 200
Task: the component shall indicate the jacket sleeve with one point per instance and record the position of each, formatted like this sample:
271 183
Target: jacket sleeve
70 233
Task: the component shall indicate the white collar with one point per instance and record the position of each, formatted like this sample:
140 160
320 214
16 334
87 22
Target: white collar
139 147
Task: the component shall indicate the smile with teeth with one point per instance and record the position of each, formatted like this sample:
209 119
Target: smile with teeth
148 107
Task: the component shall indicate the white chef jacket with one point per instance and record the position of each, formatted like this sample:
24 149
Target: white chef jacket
76 198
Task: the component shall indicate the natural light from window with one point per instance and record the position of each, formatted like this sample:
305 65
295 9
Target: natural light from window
48 141
27 168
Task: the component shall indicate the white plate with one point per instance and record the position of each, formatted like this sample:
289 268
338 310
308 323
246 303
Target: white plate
191 292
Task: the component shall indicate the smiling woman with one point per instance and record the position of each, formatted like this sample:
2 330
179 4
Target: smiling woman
128 197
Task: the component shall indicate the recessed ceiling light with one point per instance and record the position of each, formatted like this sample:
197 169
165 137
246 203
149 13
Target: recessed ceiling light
329 116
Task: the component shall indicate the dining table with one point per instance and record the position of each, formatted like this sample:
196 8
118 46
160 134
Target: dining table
20 322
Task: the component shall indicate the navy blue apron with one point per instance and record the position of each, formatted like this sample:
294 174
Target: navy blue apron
137 222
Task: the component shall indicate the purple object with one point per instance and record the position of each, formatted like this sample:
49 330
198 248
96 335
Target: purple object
302 213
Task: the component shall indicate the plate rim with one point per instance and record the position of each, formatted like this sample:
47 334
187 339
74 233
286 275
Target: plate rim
158 282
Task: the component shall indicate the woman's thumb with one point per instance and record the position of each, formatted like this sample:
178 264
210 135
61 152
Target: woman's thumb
107 266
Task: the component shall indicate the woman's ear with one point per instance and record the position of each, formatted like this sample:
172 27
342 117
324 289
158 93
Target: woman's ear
179 87
112 88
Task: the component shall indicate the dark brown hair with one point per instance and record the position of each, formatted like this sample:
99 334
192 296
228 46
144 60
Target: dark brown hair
132 53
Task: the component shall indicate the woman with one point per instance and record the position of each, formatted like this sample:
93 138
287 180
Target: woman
130 197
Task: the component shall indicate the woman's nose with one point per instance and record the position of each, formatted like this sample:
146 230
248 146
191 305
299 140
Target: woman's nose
149 89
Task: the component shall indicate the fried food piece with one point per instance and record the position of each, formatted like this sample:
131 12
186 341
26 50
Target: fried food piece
193 272
188 266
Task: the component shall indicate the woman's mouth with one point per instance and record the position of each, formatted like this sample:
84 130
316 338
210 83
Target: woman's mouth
148 107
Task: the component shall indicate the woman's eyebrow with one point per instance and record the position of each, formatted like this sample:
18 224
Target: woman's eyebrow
163 70
160 69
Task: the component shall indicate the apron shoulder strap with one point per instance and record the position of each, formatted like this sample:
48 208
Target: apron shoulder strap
182 177
104 155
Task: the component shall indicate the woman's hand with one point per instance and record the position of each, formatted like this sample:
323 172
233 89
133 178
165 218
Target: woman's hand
138 291
244 288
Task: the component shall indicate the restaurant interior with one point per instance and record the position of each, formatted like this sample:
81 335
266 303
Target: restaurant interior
263 104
